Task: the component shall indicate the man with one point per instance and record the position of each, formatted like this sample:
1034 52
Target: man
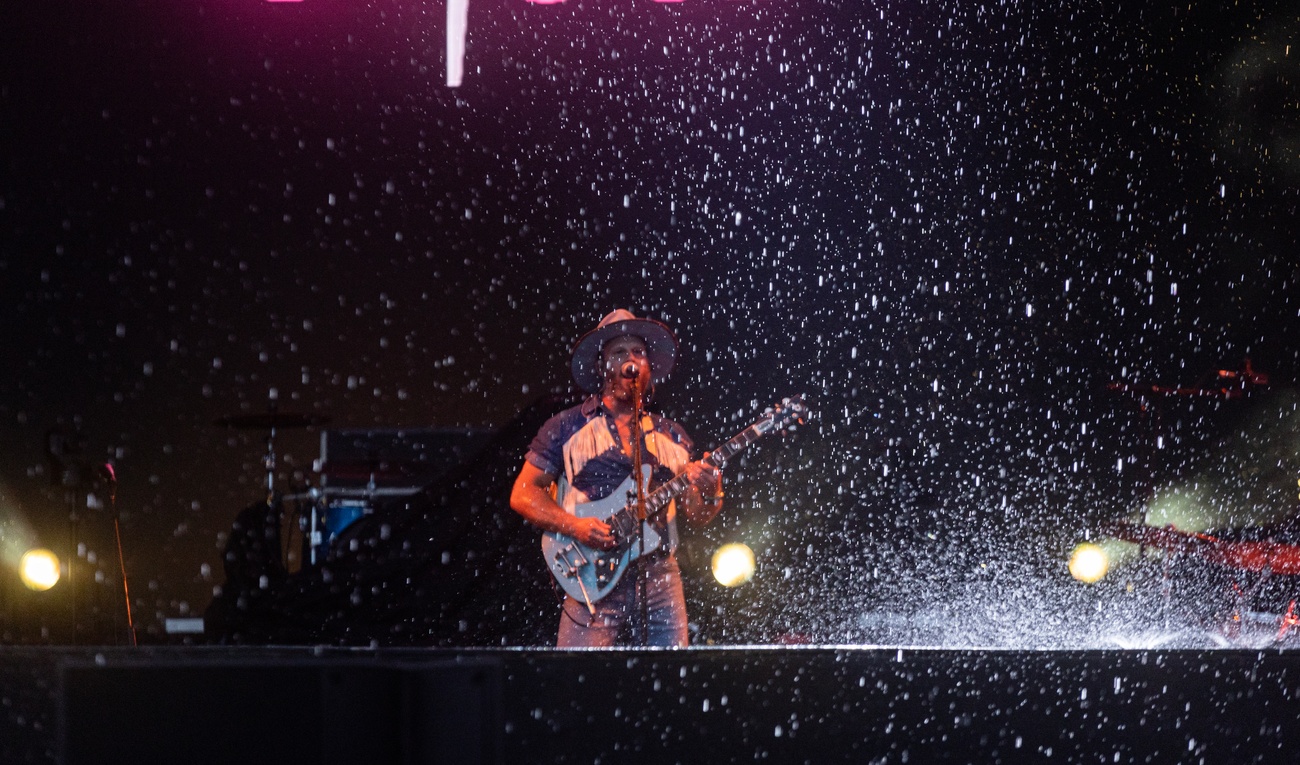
584 453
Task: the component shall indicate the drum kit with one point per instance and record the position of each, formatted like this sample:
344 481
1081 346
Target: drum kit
318 515
360 472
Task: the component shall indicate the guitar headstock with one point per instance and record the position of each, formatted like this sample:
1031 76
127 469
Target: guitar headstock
787 411
779 415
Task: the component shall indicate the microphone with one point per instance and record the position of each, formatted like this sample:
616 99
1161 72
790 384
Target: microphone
630 370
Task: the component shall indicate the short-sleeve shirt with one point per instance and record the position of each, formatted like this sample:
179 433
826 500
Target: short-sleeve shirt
581 447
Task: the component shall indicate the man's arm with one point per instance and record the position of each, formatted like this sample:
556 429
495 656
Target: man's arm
531 497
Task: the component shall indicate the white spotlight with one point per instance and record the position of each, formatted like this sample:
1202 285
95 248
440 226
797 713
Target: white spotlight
733 564
1088 563
39 569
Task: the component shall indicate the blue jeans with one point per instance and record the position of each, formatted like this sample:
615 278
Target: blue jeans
579 628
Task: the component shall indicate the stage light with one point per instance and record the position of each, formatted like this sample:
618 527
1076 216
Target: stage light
733 565
39 569
1088 563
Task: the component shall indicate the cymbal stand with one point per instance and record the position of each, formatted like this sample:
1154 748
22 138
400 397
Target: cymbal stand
314 534
273 499
269 463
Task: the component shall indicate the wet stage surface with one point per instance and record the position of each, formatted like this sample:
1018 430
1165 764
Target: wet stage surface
734 704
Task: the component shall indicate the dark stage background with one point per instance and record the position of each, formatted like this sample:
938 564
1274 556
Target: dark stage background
952 225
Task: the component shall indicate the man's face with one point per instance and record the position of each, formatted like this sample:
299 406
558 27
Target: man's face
618 352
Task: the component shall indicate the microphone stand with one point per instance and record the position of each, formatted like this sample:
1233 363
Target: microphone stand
111 480
642 571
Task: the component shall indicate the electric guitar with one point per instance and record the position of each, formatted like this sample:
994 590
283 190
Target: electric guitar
587 574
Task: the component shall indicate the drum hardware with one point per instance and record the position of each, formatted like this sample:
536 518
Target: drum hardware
357 470
270 421
313 518
110 479
321 513
368 493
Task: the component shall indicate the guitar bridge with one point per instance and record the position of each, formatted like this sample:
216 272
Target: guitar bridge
568 560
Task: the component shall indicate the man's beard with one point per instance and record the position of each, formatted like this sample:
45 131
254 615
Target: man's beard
624 389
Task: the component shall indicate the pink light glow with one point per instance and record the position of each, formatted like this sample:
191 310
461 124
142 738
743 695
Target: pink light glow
284 1
545 2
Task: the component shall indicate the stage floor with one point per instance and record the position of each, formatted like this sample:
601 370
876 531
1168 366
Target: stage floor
737 704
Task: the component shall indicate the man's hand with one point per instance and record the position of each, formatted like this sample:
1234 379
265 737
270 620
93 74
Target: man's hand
704 503
531 497
704 477
593 533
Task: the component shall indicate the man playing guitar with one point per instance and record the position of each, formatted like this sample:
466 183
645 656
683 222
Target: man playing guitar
585 454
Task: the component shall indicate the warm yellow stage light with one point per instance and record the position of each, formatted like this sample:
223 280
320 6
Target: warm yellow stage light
39 569
733 564
1088 563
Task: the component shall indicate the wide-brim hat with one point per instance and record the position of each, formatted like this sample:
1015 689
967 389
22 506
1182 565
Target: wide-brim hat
660 343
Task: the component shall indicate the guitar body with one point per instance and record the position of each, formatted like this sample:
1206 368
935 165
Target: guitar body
588 574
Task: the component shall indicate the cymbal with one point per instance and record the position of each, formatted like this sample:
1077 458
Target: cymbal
269 420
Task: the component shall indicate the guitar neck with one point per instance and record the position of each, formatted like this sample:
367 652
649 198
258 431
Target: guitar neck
719 456
660 497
